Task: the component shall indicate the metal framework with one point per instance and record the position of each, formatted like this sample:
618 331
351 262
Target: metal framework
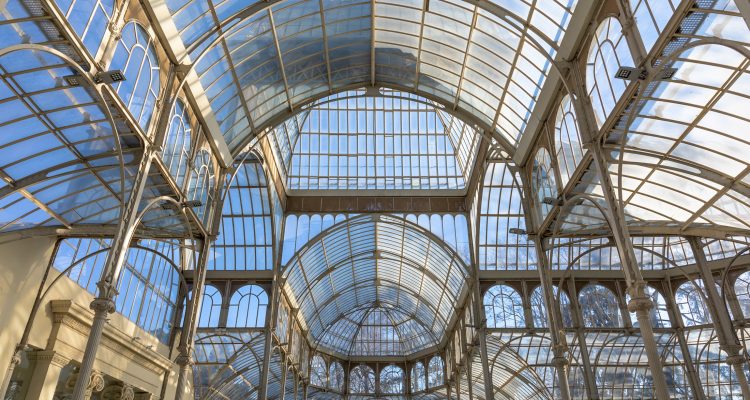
412 199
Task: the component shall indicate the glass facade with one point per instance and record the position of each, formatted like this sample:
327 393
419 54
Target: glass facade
425 199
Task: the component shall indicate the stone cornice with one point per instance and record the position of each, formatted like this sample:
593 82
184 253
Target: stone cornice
79 318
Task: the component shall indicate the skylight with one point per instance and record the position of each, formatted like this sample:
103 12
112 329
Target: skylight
360 141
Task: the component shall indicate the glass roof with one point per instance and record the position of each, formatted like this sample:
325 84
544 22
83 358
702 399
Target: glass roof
60 161
229 365
257 61
362 273
675 152
382 140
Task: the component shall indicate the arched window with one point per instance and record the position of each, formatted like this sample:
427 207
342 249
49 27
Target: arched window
651 16
503 307
435 372
202 180
659 315
543 181
392 380
148 286
362 380
245 239
691 303
599 307
318 371
608 52
567 140
247 307
210 308
418 377
336 377
501 210
539 307
742 291
176 153
89 19
136 58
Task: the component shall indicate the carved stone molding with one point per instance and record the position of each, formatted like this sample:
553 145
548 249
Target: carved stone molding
118 391
95 384
49 356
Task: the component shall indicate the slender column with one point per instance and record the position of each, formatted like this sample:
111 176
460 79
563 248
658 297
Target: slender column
554 319
557 334
588 371
271 321
103 305
489 391
678 323
282 385
192 314
640 302
94 384
630 31
728 341
185 362
470 378
190 322
458 383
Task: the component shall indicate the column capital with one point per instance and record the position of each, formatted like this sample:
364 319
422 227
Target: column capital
103 305
560 359
115 28
96 382
737 359
643 304
184 359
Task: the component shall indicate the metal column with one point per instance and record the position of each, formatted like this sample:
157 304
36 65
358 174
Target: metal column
104 304
554 320
728 341
640 301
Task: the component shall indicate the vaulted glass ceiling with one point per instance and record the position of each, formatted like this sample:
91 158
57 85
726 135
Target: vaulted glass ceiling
370 140
674 152
66 157
258 60
376 285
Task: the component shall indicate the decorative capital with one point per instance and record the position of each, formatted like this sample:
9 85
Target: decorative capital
735 359
560 351
732 350
115 30
94 385
643 304
96 382
627 24
118 392
184 360
559 362
100 305
107 290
